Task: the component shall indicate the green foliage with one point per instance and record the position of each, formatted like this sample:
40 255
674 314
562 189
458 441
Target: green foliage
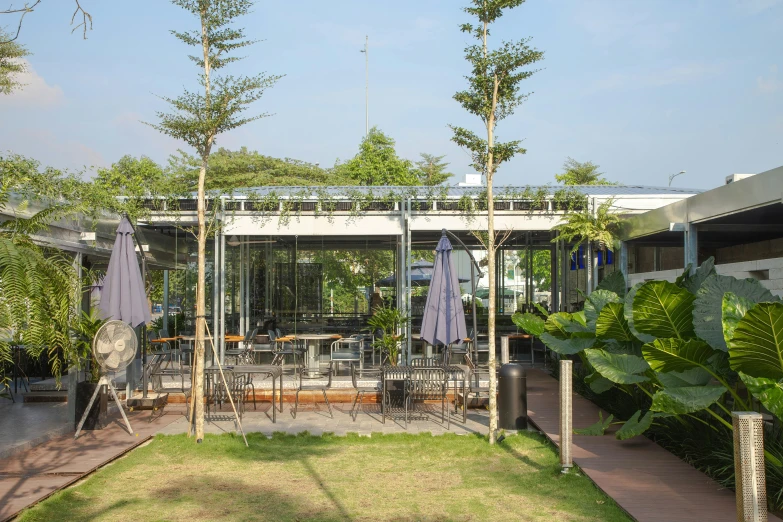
85 327
708 307
636 425
390 321
768 391
628 313
733 308
599 428
576 173
692 282
583 226
686 399
570 346
12 64
618 368
431 170
529 323
756 348
611 324
377 163
493 85
677 355
614 282
231 170
595 303
662 309
199 116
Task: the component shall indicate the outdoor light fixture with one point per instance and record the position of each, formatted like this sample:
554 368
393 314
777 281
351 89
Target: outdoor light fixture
749 475
234 241
566 414
672 176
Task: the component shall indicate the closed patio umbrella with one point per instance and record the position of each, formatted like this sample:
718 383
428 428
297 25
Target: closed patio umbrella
444 317
123 297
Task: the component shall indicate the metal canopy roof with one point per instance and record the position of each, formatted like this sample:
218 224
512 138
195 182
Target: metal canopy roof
742 212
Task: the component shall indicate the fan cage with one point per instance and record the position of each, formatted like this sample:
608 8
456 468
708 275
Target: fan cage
110 332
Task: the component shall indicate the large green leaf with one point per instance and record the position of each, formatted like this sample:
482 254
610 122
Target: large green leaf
693 377
662 309
635 425
556 325
618 368
628 312
579 317
756 348
614 282
676 355
611 324
734 308
687 399
598 428
708 307
695 280
598 383
768 391
530 323
595 303
566 346
621 347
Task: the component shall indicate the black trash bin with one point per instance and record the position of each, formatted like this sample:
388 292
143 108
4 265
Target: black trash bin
512 397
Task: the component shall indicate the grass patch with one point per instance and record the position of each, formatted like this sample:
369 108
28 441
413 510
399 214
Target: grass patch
294 478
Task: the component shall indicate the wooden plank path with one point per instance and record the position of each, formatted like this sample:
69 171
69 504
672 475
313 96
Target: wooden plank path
29 476
647 481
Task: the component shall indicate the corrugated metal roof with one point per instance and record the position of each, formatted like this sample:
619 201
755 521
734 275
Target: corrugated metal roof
454 191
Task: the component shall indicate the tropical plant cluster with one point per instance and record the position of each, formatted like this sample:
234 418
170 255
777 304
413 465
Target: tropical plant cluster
685 353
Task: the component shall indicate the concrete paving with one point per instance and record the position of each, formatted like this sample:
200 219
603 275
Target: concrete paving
314 418
23 426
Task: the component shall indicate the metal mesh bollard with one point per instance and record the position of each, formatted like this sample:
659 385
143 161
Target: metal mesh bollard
566 429
749 475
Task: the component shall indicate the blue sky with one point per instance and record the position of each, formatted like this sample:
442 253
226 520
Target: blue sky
644 89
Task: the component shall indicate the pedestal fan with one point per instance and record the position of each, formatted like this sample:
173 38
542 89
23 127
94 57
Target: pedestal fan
113 348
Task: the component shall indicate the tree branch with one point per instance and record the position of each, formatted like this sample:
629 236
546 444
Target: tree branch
27 9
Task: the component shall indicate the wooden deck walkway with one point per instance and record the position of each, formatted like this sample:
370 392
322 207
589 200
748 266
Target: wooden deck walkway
32 475
647 481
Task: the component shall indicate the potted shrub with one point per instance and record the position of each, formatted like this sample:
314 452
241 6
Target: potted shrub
84 329
388 320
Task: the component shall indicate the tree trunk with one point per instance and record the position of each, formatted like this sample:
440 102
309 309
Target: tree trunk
201 308
201 321
493 385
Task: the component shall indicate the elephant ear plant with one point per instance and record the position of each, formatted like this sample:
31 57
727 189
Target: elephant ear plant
686 346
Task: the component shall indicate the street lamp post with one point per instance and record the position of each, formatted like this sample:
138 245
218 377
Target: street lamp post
672 176
366 85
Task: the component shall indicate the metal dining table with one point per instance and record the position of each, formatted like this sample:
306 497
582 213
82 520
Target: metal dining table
272 371
311 342
402 373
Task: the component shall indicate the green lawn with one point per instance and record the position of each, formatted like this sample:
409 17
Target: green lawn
385 477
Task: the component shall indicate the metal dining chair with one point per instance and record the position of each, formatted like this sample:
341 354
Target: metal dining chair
364 381
427 384
312 379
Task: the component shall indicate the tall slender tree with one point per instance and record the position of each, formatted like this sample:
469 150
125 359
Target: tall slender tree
199 116
492 95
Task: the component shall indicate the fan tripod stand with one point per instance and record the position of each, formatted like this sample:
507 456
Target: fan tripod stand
104 381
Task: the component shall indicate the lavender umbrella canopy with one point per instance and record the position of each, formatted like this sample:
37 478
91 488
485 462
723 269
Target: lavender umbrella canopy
123 297
444 317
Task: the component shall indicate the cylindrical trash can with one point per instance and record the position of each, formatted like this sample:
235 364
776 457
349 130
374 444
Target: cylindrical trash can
512 397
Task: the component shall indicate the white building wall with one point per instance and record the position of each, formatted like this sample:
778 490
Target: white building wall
769 272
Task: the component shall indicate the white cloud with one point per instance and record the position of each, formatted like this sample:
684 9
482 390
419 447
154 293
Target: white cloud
35 91
771 83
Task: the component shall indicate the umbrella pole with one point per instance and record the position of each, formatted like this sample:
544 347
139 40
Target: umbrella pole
473 283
